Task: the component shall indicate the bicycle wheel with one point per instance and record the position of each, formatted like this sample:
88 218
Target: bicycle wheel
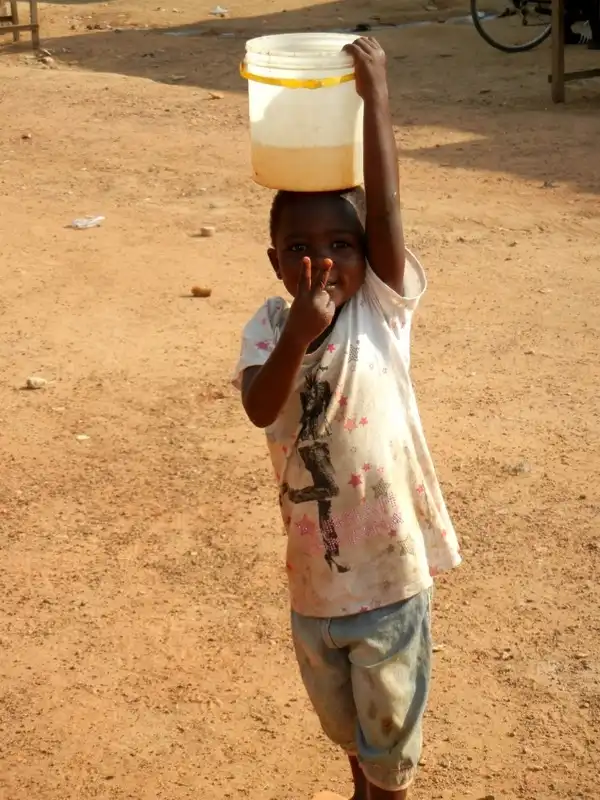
516 28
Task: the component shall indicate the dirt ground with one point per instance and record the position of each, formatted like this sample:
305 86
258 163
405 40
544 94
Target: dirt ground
143 622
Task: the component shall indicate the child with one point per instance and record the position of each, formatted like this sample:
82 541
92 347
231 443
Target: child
328 378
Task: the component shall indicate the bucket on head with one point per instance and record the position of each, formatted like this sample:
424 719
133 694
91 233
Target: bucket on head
306 119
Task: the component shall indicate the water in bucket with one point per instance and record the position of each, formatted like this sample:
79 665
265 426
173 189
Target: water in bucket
306 119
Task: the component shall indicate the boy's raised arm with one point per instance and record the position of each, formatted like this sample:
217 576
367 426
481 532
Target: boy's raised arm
385 237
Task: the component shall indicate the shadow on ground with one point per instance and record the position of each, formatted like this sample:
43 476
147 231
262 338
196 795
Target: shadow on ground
442 77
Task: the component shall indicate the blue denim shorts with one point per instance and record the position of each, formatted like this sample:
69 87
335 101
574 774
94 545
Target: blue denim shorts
368 677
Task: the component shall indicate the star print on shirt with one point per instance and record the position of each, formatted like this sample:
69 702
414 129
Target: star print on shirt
350 425
381 488
306 526
405 546
355 480
263 345
331 348
353 352
363 421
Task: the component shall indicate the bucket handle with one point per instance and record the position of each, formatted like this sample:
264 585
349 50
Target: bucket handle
296 83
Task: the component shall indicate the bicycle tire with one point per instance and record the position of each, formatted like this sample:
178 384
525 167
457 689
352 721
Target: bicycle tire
506 48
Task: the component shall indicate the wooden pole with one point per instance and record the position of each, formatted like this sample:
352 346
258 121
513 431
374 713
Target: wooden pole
35 24
14 12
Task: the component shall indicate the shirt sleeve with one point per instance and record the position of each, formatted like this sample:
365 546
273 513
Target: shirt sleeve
259 337
396 307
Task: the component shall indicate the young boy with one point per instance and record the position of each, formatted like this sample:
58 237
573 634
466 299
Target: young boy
328 378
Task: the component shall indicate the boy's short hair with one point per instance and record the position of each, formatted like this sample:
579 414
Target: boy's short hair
355 196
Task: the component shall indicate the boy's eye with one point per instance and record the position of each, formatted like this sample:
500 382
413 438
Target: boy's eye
298 248
340 245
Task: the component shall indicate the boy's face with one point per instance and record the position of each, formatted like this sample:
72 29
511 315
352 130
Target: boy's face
320 227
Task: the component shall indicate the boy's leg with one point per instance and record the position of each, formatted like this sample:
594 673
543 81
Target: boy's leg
390 655
375 794
325 672
359 780
382 794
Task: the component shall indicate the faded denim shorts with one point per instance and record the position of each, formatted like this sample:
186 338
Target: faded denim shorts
368 677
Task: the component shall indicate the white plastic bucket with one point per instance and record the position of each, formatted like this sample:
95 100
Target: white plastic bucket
306 119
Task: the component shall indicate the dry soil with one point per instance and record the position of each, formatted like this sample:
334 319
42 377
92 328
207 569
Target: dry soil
143 614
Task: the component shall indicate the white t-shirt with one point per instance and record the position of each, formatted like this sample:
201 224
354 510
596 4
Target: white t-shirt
366 522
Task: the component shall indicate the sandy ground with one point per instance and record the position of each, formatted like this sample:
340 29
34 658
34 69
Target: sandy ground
143 623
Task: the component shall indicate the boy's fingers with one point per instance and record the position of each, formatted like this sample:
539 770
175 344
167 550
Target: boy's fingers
352 48
322 276
366 45
305 282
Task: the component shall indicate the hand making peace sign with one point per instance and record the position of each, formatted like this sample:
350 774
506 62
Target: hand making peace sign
313 309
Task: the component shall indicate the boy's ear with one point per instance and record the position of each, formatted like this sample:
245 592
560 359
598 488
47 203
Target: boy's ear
272 253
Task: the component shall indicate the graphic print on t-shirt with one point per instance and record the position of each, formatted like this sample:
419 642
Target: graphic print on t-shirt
313 449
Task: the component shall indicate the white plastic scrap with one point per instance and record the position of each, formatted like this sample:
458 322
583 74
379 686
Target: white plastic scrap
87 222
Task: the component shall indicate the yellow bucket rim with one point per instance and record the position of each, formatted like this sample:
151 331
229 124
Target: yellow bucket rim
297 83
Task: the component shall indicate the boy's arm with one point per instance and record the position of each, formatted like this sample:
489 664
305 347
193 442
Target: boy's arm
385 237
267 388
